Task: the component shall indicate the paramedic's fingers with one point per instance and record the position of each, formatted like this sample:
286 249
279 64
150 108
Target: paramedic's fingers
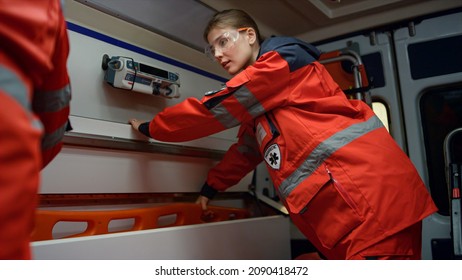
207 215
203 201
135 123
140 126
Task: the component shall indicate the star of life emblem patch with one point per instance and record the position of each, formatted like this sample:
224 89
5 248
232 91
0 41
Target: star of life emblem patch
273 156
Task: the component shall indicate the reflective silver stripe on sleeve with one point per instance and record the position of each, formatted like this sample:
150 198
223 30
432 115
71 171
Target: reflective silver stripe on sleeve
325 150
36 123
14 87
249 101
52 101
244 97
51 139
224 116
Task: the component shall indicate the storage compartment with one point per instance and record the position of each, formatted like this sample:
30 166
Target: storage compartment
55 224
158 226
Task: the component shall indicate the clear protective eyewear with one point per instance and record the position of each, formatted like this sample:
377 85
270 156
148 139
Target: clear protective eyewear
224 42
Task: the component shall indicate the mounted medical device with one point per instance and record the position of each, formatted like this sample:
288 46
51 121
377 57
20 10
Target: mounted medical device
123 72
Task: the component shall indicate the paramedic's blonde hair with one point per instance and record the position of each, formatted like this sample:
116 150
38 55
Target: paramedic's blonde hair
231 18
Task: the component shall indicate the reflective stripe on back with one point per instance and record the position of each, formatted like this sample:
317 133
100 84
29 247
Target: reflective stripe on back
326 149
13 86
51 139
52 101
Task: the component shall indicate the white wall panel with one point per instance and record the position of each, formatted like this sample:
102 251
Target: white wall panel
89 170
93 98
93 34
99 109
224 240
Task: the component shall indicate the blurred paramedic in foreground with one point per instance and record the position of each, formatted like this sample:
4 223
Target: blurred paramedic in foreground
34 109
347 185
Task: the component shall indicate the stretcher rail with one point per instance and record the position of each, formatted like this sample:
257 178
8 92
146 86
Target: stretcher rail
144 218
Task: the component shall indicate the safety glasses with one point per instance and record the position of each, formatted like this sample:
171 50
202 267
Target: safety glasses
224 42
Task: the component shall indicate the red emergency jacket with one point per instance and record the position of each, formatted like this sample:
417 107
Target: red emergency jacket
34 109
334 165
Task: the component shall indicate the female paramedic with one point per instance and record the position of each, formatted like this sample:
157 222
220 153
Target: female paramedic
34 108
348 186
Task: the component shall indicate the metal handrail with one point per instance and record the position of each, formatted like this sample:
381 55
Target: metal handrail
353 57
455 201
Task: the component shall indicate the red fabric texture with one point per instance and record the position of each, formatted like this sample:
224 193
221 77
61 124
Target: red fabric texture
33 57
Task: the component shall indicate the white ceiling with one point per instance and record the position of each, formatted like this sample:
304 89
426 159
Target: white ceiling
180 20
315 20
310 20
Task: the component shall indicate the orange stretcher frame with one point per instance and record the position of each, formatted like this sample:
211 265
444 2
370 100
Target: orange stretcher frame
355 82
144 218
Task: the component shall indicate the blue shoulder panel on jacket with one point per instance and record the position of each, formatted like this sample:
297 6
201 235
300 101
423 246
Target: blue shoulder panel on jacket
296 52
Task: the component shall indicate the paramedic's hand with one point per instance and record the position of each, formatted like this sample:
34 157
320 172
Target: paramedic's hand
206 193
203 201
135 123
140 126
207 215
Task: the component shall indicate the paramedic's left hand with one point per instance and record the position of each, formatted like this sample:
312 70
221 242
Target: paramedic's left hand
140 126
135 123
207 215
202 201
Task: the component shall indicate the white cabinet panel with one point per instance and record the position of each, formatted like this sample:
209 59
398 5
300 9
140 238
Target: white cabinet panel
257 238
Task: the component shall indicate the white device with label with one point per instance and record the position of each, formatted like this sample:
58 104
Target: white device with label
124 72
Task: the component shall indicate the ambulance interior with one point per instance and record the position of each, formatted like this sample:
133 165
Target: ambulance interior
114 194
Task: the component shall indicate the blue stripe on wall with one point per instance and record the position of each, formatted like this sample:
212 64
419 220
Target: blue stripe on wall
93 34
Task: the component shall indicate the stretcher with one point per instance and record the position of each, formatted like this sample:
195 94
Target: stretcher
454 174
347 69
144 218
